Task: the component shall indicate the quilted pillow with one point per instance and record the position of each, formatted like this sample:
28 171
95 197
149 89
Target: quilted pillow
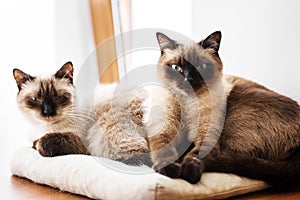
100 178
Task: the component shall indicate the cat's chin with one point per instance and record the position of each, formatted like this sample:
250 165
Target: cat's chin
183 90
49 120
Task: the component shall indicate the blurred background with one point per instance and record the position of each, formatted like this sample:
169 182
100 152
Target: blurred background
260 42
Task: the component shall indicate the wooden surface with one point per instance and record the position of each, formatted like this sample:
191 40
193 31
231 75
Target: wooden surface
103 33
15 188
291 193
23 189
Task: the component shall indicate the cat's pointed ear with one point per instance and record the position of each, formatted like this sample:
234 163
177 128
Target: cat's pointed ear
66 71
21 77
212 41
165 42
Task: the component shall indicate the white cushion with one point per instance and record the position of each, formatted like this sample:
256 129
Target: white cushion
100 178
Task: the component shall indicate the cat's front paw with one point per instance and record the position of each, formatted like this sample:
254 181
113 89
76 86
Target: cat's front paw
192 169
56 144
171 170
47 145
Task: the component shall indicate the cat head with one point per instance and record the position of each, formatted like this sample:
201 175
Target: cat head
189 65
46 99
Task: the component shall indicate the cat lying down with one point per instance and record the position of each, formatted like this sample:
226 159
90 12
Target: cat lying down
102 129
236 125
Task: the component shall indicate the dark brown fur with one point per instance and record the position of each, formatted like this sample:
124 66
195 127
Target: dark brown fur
270 120
57 144
260 138
261 134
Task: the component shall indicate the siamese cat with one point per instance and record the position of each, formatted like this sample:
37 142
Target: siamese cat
100 129
238 126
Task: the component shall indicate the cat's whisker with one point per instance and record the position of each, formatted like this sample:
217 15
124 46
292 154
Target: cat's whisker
79 117
77 114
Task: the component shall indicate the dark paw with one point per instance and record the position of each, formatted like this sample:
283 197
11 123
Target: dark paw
191 169
171 170
56 144
49 145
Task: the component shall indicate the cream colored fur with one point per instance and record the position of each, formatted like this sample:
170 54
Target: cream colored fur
115 135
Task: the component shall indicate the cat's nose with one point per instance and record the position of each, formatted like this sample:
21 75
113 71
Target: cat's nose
187 77
47 109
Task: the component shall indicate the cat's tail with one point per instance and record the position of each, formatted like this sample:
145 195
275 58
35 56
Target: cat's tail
274 172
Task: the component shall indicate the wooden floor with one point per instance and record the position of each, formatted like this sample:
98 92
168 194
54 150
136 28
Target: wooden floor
23 189
292 193
15 188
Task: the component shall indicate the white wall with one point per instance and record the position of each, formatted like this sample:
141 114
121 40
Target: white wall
174 15
74 40
26 42
260 39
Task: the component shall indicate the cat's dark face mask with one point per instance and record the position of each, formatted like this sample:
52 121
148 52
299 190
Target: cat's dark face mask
189 65
189 76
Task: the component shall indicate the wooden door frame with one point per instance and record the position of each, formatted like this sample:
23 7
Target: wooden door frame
103 28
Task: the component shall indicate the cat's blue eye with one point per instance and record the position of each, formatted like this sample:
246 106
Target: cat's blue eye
33 98
176 68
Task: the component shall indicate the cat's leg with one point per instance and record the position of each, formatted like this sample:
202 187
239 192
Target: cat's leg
192 165
192 168
275 172
163 136
164 156
295 155
56 144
